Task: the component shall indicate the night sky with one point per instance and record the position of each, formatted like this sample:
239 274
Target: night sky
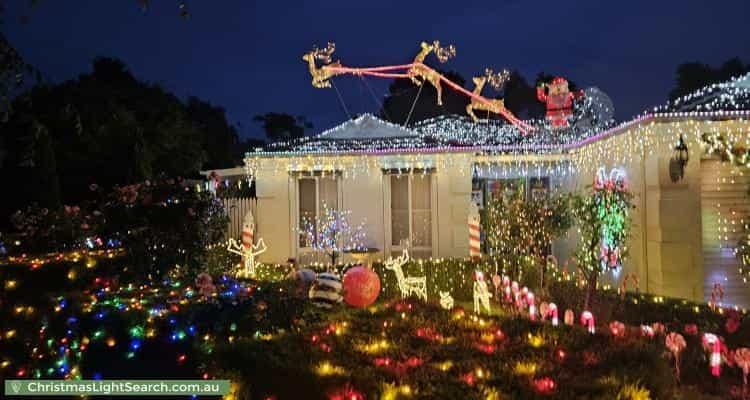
246 56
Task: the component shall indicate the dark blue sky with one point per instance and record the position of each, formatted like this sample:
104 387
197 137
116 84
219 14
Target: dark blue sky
246 55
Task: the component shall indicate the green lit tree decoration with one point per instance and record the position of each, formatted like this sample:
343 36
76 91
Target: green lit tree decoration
604 222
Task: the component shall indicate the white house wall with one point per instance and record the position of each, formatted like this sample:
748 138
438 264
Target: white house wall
666 246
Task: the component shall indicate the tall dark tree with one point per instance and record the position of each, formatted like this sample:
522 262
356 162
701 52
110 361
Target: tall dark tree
692 76
520 97
107 127
281 126
220 138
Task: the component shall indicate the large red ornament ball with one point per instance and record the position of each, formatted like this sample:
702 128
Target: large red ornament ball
361 286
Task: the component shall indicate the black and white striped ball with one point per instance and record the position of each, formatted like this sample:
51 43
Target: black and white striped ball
326 291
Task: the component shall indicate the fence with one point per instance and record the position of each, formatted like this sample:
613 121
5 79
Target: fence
236 208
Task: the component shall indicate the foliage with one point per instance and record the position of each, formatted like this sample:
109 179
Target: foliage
519 230
603 220
692 76
283 127
165 226
400 350
108 128
41 229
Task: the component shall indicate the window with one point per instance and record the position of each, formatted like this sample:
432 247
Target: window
411 212
315 194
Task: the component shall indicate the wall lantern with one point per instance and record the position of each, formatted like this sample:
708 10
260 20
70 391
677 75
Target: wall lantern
678 161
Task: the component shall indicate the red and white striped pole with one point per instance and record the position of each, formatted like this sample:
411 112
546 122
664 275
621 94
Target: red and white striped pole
474 245
248 228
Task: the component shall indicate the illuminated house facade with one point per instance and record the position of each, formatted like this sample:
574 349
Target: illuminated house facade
416 184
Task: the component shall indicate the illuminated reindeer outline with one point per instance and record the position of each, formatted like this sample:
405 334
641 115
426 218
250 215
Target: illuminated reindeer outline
408 285
495 106
417 71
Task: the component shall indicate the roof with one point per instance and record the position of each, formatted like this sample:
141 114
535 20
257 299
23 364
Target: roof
592 121
732 95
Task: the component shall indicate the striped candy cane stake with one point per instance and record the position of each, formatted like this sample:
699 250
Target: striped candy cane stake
248 225
713 344
552 310
587 319
474 246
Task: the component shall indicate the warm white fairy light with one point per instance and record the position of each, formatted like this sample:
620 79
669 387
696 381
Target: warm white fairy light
496 148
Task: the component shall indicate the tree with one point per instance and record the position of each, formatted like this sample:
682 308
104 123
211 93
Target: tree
603 218
109 128
283 127
692 76
520 98
520 230
332 233
219 137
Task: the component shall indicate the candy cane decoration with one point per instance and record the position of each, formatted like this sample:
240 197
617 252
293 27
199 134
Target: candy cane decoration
521 299
552 311
532 307
712 341
587 319
506 288
647 331
742 358
474 246
570 317
676 343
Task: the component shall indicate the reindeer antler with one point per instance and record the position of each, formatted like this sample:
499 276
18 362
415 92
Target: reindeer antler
496 80
443 54
324 54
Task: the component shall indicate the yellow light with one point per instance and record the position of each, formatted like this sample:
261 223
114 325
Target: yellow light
446 365
525 368
405 390
536 340
11 284
11 333
326 368
72 274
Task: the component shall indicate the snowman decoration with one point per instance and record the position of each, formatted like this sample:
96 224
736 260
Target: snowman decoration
248 249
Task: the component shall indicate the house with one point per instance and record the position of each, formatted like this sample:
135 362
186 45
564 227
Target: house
416 183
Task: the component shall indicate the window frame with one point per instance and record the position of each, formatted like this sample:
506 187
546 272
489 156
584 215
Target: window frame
298 250
393 249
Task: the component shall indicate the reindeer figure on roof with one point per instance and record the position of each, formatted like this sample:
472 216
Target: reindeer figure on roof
419 72
321 76
408 285
491 105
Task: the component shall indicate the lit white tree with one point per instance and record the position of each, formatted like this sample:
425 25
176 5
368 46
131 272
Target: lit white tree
332 233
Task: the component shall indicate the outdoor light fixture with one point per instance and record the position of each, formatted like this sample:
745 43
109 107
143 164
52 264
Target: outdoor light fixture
678 161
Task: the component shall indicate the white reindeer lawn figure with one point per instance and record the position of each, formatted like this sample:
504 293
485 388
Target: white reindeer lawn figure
446 300
408 285
481 294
